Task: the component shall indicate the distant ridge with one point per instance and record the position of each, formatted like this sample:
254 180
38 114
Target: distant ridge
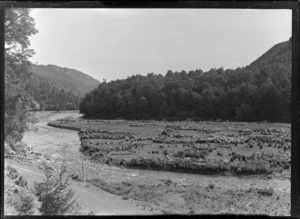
58 88
69 79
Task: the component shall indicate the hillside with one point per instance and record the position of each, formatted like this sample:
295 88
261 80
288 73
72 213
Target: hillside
57 88
258 92
49 97
69 79
276 51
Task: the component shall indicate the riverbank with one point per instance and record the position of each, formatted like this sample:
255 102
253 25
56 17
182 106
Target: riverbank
55 146
155 192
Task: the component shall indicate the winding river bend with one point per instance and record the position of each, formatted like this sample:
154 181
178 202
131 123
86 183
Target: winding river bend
55 145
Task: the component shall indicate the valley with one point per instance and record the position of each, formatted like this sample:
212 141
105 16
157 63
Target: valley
168 112
164 192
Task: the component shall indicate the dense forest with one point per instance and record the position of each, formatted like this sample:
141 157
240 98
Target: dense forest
49 97
260 91
58 88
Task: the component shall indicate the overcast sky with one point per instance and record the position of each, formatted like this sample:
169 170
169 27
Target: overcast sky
117 43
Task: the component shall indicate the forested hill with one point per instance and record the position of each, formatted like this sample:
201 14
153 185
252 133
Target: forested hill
69 79
276 51
257 92
57 88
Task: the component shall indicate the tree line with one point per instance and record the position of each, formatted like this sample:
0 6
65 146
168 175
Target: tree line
258 92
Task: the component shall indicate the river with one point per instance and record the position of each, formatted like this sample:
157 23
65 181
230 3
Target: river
57 145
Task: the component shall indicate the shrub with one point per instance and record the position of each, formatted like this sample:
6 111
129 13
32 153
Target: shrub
55 194
211 186
253 167
21 182
219 154
21 203
24 204
266 192
203 154
12 172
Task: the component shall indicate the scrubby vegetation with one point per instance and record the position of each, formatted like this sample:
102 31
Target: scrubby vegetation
18 197
128 190
266 192
21 202
13 174
24 203
55 194
175 197
194 147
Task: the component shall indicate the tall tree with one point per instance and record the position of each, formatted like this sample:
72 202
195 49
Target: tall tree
19 26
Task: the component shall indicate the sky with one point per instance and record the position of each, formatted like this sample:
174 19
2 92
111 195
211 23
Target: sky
113 44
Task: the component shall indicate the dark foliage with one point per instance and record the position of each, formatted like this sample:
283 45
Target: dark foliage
19 27
49 97
260 91
55 193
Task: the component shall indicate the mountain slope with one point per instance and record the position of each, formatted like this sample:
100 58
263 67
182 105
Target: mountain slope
69 79
276 51
57 88
49 97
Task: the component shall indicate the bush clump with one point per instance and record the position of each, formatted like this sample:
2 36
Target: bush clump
24 204
266 192
55 194
12 173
